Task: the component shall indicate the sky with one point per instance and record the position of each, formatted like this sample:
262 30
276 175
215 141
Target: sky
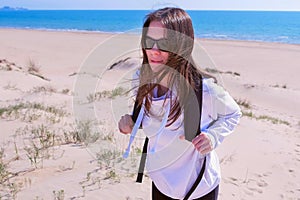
284 5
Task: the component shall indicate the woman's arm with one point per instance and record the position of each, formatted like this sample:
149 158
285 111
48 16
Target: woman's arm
225 114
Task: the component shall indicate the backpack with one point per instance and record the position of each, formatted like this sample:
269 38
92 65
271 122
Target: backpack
192 115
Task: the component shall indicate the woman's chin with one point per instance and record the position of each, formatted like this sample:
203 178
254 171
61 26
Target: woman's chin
156 67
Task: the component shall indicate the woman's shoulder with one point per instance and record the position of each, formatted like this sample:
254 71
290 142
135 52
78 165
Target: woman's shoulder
210 86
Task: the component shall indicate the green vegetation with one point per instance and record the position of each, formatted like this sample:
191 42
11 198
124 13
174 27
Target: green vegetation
59 195
243 103
32 67
266 117
4 173
42 130
85 132
9 110
119 91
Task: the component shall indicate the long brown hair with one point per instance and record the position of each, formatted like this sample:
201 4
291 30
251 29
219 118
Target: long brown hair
180 67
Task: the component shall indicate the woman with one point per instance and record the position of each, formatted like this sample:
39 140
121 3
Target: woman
166 78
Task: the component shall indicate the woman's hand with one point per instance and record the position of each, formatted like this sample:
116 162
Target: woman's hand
126 124
202 143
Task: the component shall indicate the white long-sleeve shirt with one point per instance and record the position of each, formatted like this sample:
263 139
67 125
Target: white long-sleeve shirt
172 163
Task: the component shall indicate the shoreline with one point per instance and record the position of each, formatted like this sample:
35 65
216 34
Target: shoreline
117 33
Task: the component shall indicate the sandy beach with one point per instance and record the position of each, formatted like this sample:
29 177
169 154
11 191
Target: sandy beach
44 155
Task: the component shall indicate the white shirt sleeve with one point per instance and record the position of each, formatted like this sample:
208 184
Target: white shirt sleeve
224 113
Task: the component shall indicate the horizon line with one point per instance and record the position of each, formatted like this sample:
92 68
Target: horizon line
65 9
87 9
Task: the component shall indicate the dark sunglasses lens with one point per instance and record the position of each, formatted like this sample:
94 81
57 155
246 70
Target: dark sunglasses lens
163 45
149 43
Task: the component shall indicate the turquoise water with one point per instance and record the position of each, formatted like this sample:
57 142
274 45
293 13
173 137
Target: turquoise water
226 25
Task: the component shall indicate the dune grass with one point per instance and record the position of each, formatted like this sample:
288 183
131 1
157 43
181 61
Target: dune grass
119 91
265 117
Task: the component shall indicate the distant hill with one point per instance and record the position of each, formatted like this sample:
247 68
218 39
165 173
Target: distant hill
7 8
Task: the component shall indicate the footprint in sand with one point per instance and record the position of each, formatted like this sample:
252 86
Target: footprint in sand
250 186
262 183
232 180
266 174
256 185
227 158
252 189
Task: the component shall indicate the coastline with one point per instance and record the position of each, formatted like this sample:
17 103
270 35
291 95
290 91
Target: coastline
116 33
261 76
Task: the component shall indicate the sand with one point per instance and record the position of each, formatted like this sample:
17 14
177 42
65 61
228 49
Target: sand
41 158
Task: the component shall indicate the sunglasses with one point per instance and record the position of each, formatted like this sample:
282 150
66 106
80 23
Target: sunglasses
162 44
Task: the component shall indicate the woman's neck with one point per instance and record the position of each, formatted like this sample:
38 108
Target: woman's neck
161 90
163 86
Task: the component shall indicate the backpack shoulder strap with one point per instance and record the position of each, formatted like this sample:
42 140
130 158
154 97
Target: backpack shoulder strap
139 177
135 114
136 111
192 113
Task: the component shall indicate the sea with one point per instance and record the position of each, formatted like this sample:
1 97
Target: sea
265 26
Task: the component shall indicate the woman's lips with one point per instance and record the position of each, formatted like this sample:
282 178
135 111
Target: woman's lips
156 61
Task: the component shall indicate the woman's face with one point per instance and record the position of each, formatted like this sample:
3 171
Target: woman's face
157 57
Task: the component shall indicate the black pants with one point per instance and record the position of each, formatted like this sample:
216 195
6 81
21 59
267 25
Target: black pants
157 195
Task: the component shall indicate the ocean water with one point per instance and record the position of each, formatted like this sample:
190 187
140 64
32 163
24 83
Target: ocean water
267 26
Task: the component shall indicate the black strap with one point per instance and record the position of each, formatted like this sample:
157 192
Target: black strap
197 180
193 111
139 177
136 111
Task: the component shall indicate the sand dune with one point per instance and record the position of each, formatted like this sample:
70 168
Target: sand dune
43 157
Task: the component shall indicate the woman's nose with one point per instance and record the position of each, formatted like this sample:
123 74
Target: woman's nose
155 49
155 46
